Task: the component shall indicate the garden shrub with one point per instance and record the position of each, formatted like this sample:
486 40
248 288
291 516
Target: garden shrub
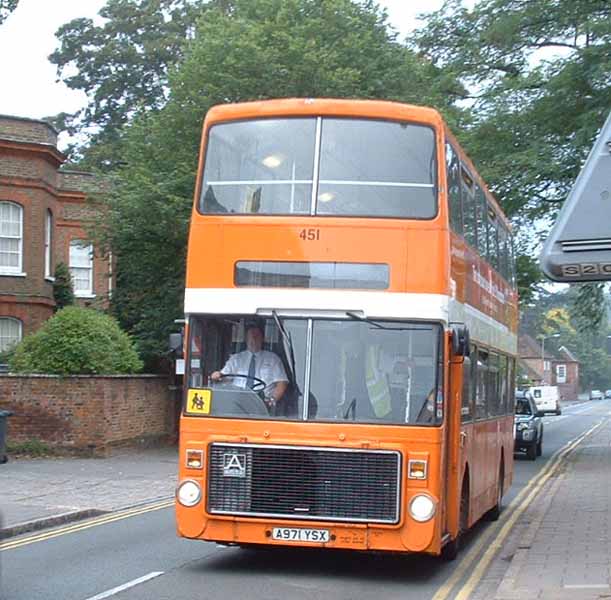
63 292
77 341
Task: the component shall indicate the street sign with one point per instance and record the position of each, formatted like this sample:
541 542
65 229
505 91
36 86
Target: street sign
579 245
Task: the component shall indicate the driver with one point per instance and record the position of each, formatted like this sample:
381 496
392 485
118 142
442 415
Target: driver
254 362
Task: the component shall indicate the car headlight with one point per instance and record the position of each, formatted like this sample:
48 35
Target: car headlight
422 508
523 426
189 493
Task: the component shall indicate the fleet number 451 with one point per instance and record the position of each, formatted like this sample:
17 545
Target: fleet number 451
310 234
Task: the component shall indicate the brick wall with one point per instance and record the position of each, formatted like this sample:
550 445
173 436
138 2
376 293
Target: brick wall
89 414
29 130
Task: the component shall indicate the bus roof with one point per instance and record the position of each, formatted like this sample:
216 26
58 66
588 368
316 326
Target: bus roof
324 106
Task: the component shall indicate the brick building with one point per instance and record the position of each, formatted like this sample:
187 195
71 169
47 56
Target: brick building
45 212
559 368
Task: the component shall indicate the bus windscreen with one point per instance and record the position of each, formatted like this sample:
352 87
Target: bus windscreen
383 372
356 167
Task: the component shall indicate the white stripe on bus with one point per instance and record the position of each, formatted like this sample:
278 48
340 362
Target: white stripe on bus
374 305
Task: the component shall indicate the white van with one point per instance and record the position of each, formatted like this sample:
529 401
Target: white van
547 398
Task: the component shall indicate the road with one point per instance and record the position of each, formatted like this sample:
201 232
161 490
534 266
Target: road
137 556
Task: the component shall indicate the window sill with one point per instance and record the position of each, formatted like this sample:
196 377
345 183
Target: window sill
12 274
50 279
85 296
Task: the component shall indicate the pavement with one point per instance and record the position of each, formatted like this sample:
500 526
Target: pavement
40 493
560 547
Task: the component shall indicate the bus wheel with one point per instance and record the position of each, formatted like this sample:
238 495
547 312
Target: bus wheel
451 549
495 512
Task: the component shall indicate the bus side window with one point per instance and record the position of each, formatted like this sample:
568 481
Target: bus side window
504 252
511 385
512 263
466 412
493 240
482 222
492 389
453 183
469 208
481 409
503 383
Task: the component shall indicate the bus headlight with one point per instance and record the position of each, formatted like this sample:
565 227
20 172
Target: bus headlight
189 493
422 508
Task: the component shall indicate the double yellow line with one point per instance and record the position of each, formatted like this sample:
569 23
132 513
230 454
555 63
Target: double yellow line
103 520
511 514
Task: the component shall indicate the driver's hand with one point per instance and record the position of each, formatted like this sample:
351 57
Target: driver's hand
270 401
215 376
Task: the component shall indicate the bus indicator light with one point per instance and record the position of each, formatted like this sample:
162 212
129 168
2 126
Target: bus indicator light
417 469
195 459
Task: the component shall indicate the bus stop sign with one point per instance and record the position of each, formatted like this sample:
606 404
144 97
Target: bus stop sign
579 245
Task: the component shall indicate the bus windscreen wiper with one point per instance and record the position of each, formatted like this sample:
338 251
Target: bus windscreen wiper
357 317
365 319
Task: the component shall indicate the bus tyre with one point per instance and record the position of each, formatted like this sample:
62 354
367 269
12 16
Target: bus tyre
495 512
451 549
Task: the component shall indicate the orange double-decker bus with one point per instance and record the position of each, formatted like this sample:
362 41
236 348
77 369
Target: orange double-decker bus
351 317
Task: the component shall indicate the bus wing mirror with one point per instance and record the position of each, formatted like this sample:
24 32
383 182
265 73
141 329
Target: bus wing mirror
460 340
176 344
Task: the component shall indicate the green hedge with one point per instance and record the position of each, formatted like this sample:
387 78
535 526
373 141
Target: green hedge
77 341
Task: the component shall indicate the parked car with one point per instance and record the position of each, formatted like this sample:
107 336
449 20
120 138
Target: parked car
528 426
547 398
608 394
596 395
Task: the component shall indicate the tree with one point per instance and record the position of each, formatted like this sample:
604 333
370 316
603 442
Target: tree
538 72
76 341
6 8
261 49
122 65
63 292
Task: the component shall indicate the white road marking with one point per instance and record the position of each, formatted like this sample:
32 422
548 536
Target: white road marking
587 586
126 586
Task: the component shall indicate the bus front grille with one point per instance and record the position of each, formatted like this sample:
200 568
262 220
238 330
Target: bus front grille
304 483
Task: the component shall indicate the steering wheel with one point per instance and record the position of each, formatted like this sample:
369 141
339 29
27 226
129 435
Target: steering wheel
258 386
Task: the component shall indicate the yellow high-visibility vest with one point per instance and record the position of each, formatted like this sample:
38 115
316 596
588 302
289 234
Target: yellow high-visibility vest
377 384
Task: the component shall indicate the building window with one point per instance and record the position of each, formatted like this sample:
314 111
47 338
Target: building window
10 333
11 238
561 373
81 268
547 365
48 240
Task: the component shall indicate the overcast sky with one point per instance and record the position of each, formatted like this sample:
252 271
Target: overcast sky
27 37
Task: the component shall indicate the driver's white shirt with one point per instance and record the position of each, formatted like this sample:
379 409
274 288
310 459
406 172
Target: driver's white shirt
268 367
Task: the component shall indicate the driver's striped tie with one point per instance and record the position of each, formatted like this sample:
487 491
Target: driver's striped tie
251 373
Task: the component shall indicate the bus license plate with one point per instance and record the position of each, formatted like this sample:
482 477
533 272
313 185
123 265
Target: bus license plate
290 534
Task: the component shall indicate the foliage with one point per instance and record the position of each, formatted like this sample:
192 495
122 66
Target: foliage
537 75
29 448
529 278
6 8
122 65
540 75
63 292
259 49
76 341
588 306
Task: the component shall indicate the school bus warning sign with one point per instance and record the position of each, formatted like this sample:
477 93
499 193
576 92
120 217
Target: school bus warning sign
198 402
